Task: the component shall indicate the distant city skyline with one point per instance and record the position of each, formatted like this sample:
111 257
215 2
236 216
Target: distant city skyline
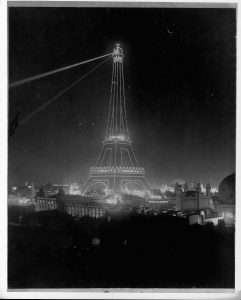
179 81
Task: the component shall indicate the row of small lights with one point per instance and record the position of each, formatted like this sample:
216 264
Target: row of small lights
131 169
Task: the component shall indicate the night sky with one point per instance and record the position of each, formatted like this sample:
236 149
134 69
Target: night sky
179 69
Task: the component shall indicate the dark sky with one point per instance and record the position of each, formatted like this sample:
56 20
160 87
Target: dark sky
180 90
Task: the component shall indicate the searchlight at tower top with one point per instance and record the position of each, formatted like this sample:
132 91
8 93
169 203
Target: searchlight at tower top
118 54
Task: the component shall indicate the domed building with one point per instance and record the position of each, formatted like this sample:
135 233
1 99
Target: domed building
226 199
226 190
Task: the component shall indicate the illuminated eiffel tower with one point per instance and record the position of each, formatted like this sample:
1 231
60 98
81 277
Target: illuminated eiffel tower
116 170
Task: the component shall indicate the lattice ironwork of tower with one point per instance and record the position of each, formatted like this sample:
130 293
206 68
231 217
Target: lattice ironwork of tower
117 169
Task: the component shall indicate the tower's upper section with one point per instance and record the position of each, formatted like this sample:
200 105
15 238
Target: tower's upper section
117 129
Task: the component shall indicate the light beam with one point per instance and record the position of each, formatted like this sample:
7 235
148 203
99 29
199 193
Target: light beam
29 79
59 94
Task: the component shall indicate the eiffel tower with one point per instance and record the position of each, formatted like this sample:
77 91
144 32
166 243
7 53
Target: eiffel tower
116 170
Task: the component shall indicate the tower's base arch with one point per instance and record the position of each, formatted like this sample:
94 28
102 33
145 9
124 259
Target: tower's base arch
116 180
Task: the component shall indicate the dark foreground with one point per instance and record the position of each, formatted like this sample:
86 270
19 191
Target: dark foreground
52 250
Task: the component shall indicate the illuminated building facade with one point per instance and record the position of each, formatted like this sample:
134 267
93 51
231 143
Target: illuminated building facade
74 205
116 170
192 199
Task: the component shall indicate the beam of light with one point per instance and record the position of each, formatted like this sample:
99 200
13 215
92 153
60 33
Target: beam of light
60 94
26 80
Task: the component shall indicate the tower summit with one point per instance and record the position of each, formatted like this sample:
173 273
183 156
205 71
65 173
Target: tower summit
116 170
117 128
